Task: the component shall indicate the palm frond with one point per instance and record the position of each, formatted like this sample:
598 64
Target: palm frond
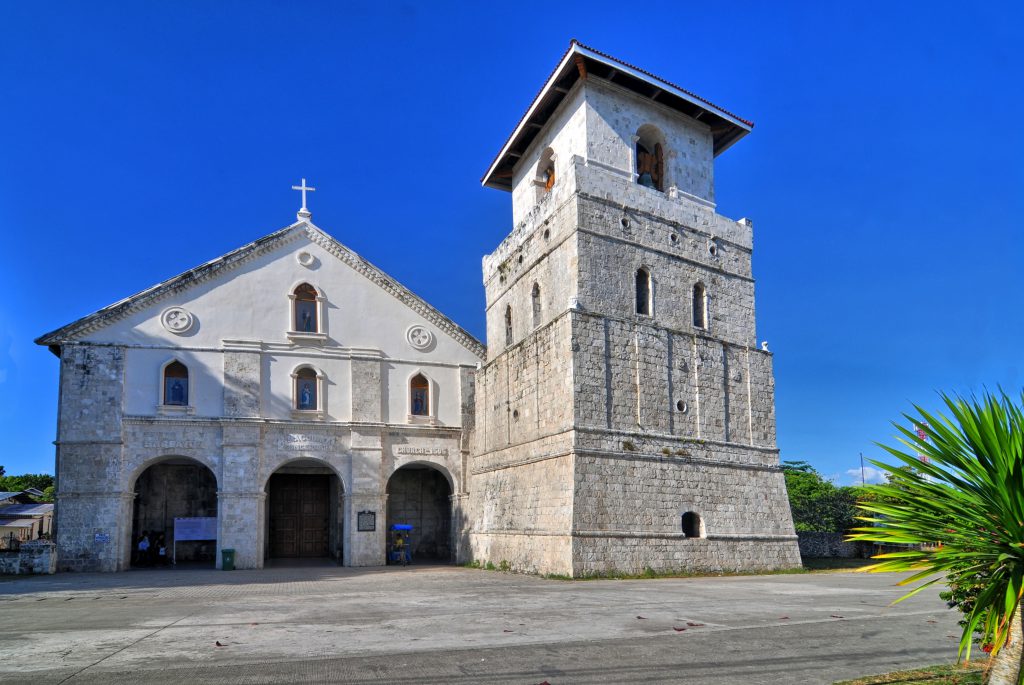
964 501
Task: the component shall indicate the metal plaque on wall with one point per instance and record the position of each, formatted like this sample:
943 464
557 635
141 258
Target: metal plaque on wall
366 521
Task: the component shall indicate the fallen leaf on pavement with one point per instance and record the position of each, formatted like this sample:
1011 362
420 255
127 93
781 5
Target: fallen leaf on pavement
835 615
783 618
678 630
642 618
219 644
694 625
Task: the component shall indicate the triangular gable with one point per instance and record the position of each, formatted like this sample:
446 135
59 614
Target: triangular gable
121 309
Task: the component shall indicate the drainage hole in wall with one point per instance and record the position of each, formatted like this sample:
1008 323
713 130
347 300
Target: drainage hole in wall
681 406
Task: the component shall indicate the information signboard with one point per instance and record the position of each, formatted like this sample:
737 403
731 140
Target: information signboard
366 521
199 528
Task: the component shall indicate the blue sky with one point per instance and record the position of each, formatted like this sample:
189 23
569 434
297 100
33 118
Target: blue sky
884 175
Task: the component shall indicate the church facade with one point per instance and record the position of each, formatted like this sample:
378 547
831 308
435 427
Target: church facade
621 416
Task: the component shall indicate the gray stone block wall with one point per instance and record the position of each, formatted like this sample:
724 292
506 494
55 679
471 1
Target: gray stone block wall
594 556
655 415
641 493
35 557
91 500
366 390
241 384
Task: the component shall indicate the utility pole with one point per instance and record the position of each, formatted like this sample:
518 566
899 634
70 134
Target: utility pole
862 469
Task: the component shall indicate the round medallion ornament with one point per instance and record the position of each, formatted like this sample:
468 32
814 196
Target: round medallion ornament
419 337
305 259
177 320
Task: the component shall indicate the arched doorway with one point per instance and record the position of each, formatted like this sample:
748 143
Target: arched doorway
175 488
420 495
304 512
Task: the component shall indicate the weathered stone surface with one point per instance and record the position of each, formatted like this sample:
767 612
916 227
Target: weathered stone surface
33 558
597 426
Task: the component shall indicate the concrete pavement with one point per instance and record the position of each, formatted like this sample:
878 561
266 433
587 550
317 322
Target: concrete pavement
454 625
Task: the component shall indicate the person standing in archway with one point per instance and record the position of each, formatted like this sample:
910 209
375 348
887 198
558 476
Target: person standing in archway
143 549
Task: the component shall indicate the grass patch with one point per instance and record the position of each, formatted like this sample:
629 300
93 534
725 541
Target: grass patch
835 564
968 674
810 566
649 574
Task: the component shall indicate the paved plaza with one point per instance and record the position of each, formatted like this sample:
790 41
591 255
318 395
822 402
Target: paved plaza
455 625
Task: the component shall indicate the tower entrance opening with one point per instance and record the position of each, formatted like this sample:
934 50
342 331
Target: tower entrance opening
419 495
174 488
303 513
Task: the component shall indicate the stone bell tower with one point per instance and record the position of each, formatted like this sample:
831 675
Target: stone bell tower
625 415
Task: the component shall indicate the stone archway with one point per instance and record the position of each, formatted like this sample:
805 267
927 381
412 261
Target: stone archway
420 495
304 512
169 489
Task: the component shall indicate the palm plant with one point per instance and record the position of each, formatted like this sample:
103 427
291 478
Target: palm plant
961 507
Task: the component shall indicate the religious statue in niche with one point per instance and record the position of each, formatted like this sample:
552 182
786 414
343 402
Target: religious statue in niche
177 393
650 165
176 384
306 396
305 309
305 389
549 178
419 390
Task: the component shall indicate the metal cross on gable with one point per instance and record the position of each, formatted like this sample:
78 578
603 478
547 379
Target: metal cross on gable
303 188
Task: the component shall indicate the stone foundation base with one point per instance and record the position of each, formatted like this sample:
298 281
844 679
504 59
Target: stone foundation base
630 554
525 553
596 554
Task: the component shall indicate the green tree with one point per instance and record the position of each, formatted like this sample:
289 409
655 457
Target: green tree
968 496
817 504
39 481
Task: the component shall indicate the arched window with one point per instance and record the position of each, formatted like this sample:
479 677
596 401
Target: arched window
692 525
176 384
700 306
419 395
535 297
508 325
306 390
643 291
306 319
650 157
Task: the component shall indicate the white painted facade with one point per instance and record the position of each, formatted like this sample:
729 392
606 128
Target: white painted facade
230 323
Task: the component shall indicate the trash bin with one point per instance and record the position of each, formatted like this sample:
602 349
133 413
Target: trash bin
227 560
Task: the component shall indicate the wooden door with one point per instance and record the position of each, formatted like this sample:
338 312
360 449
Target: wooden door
299 515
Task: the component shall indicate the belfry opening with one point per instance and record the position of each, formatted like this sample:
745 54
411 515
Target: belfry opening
419 495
